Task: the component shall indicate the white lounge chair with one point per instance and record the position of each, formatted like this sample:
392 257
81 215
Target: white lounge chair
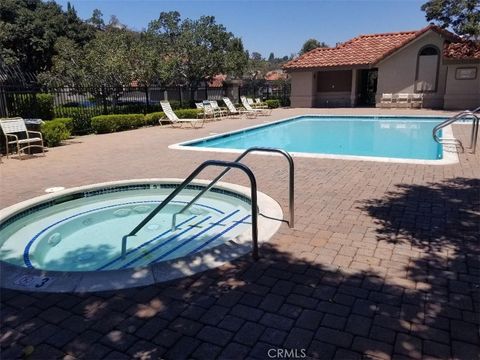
173 118
13 128
247 106
209 112
217 109
233 111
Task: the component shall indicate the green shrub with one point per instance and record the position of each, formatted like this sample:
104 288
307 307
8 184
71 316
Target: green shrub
153 118
67 121
44 106
273 104
188 113
82 116
111 123
54 131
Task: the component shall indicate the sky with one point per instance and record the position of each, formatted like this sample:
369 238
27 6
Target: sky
267 26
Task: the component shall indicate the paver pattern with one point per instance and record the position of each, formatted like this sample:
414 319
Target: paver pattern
383 262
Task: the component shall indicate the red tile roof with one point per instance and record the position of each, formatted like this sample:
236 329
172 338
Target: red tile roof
463 50
275 75
217 80
362 50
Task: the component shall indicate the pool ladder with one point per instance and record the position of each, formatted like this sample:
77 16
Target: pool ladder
228 165
460 116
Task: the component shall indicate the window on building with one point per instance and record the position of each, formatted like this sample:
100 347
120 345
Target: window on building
427 69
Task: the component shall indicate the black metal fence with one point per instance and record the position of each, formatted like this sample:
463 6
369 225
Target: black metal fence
26 100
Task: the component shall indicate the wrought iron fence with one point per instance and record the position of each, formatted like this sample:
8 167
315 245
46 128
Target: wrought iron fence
31 100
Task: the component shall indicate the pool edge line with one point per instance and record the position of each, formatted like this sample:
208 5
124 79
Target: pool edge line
449 158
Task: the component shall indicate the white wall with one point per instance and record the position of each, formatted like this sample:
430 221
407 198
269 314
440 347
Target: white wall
396 74
462 94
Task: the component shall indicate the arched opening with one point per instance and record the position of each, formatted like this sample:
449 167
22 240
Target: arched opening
426 76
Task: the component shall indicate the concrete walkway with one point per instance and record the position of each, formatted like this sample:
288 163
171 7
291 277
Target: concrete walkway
383 261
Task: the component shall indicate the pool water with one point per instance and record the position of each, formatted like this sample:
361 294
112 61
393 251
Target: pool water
85 234
382 136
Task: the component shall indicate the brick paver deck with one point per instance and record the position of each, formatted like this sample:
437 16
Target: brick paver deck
383 262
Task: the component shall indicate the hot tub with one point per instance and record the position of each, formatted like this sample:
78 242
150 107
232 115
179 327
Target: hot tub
71 240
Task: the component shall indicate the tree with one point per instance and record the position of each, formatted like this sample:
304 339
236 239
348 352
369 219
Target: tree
271 57
97 20
236 58
108 63
311 44
256 56
29 30
463 16
197 49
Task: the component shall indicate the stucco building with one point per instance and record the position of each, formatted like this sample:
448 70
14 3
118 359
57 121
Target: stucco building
431 61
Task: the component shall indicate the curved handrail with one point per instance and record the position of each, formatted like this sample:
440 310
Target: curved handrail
447 122
451 120
189 179
291 186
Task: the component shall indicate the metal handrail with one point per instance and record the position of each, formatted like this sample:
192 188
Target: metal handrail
474 135
291 186
454 118
189 179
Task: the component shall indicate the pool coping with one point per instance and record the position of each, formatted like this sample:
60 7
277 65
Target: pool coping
89 281
449 156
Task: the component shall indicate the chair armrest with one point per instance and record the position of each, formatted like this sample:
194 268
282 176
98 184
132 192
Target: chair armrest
15 136
36 132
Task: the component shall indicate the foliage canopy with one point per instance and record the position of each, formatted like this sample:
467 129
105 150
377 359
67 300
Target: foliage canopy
463 16
311 44
29 30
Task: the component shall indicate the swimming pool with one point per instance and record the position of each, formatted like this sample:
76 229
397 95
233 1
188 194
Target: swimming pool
384 138
79 231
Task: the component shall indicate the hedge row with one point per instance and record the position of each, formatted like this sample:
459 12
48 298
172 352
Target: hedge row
56 130
82 116
111 123
119 122
273 104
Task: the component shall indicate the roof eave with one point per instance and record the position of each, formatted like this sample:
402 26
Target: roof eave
333 67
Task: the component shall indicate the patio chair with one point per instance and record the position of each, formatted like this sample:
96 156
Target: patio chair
217 109
403 99
209 112
13 128
386 100
233 111
173 118
246 105
417 100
